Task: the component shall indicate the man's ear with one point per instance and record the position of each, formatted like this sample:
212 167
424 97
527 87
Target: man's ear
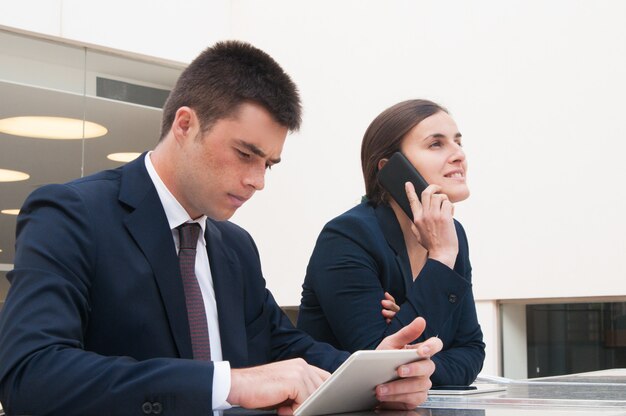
381 163
185 123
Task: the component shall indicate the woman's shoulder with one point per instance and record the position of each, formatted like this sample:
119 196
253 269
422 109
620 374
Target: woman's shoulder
357 220
362 213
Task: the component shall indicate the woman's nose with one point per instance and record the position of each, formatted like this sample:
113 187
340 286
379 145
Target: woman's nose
458 154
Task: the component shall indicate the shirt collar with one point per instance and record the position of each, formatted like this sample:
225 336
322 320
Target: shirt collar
174 211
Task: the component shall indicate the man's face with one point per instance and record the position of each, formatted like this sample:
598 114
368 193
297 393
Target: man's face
221 169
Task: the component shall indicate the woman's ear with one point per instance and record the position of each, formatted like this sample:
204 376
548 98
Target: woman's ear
381 163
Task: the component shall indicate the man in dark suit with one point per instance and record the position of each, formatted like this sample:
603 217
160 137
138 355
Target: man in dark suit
131 292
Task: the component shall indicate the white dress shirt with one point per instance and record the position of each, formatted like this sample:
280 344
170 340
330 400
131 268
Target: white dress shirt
176 215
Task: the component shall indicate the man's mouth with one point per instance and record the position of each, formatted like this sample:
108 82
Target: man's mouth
238 200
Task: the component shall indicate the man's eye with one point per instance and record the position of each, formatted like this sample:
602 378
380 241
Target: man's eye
243 155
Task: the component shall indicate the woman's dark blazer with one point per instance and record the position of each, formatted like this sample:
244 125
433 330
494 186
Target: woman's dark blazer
360 255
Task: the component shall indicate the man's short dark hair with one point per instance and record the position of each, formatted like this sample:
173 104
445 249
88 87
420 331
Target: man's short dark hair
226 75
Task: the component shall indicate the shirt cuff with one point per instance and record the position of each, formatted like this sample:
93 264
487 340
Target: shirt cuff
221 385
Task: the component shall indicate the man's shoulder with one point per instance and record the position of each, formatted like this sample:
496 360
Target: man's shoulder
99 180
97 185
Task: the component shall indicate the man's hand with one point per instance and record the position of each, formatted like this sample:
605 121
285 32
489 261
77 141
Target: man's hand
282 385
411 389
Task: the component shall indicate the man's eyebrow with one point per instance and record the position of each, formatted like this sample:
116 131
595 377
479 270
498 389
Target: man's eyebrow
254 149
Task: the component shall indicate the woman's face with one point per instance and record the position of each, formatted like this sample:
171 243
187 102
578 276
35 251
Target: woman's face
434 148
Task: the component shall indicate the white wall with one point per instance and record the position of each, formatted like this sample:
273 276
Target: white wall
174 30
537 90
488 316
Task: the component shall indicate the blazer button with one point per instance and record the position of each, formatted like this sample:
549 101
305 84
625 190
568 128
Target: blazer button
157 408
146 408
452 298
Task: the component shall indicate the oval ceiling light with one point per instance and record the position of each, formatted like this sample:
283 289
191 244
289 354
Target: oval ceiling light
12 175
10 211
123 157
57 128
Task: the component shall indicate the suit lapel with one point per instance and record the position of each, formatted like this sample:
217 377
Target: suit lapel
393 234
149 228
229 295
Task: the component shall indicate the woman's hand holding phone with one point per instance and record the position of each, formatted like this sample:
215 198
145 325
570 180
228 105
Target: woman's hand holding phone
434 224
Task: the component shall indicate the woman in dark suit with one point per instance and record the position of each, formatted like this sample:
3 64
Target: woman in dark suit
375 248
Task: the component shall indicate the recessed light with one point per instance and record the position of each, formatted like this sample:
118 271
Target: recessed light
7 175
123 157
10 211
58 128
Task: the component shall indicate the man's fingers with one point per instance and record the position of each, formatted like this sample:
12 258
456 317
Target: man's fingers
408 390
416 369
287 410
430 347
321 374
404 336
427 348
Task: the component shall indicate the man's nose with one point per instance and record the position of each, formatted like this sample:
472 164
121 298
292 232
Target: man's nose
256 178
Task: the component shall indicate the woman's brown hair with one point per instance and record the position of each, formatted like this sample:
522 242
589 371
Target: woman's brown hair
384 136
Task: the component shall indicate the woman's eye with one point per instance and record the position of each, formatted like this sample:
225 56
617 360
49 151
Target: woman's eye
435 144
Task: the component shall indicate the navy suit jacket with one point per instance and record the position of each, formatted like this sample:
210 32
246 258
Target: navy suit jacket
360 255
95 321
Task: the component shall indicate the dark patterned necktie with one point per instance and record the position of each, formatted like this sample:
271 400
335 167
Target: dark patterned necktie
196 313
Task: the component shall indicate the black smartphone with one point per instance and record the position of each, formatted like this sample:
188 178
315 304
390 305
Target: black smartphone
455 387
396 172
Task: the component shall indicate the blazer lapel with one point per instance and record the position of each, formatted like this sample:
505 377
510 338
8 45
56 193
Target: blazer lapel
229 295
149 228
393 234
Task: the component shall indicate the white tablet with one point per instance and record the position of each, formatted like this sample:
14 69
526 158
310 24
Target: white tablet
351 387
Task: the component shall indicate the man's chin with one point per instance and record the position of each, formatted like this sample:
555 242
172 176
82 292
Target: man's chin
223 215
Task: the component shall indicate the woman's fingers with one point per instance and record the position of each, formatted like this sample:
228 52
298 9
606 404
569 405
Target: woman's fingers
433 223
390 302
416 206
